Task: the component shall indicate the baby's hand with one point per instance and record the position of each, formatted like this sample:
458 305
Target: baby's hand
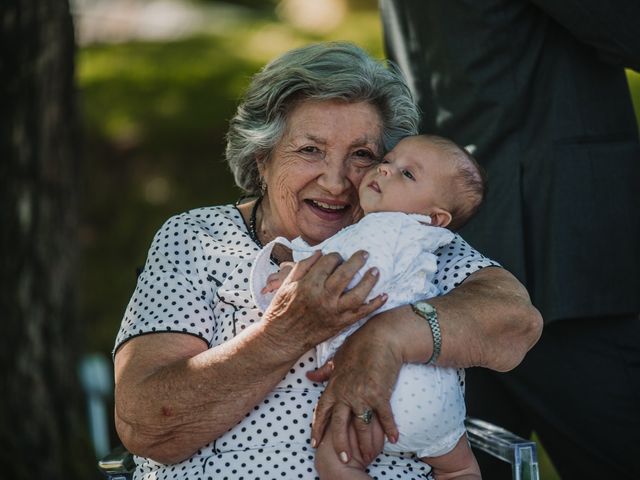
276 279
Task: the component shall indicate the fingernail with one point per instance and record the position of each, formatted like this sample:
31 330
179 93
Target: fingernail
344 457
314 442
375 272
365 255
393 439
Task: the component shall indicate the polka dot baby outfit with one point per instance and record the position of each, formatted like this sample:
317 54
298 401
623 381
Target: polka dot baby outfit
196 281
427 402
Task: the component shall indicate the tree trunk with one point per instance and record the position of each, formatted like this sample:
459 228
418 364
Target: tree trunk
41 408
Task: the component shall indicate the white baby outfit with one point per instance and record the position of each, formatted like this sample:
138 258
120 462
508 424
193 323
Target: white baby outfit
427 402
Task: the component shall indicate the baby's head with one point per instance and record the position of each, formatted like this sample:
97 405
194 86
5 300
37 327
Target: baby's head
426 174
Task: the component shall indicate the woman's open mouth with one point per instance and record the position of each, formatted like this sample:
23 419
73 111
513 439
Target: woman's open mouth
328 211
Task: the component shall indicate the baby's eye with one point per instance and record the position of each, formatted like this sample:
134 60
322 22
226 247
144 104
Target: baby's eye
408 174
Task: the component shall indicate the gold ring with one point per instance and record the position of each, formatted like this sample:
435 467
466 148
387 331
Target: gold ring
366 416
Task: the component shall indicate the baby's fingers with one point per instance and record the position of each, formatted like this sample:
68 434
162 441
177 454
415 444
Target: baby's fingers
274 281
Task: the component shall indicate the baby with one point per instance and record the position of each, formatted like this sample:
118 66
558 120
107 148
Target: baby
424 184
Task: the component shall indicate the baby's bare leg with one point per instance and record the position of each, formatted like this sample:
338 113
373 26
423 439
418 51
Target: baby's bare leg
330 467
460 463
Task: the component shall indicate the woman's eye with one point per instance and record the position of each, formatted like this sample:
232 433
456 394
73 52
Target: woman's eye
364 153
310 149
408 174
365 158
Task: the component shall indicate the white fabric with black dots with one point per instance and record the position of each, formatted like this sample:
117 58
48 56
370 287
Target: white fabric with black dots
196 281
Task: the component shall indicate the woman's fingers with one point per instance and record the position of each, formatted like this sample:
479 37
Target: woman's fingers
344 273
364 434
369 438
301 268
354 298
340 418
321 416
387 423
364 309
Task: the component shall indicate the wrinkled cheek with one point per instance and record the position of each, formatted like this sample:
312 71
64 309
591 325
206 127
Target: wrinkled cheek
286 198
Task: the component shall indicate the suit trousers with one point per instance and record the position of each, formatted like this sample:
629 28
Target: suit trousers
579 390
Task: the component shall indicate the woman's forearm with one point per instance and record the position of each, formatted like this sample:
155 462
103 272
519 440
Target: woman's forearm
486 321
174 395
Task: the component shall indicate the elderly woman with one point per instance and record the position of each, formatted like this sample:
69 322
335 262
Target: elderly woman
205 386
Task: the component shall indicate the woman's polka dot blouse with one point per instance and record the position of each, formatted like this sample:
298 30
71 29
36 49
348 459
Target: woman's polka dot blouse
195 281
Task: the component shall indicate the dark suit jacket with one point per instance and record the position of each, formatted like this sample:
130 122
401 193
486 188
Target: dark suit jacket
539 88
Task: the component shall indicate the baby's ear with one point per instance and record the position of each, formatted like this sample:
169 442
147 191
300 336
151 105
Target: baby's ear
440 217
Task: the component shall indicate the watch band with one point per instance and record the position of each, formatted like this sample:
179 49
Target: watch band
430 314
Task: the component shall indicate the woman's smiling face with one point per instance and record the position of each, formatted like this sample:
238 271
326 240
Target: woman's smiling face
314 171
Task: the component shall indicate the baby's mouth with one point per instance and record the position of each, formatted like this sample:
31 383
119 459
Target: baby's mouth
374 186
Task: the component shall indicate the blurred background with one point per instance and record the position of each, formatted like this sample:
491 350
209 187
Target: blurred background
157 82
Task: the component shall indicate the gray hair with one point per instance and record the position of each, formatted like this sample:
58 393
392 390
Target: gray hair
323 71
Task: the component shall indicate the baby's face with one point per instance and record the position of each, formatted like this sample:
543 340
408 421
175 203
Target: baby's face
412 178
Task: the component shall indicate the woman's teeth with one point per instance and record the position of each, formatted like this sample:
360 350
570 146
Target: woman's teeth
327 206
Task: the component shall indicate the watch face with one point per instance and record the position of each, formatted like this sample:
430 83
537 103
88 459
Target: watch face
425 308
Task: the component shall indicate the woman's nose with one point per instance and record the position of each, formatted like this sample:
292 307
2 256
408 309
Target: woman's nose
334 179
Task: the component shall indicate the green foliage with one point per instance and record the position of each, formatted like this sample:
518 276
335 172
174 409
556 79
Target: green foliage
634 86
155 116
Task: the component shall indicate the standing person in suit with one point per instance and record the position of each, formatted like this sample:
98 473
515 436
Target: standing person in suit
539 88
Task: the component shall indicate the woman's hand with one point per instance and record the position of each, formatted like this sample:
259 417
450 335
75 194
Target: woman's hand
361 376
486 321
313 305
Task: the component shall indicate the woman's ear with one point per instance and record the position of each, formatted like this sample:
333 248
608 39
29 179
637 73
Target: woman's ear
261 163
440 217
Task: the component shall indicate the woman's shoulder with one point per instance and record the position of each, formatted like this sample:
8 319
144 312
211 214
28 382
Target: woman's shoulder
215 222
456 261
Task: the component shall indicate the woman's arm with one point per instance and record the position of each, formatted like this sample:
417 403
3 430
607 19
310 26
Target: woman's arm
174 395
486 321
